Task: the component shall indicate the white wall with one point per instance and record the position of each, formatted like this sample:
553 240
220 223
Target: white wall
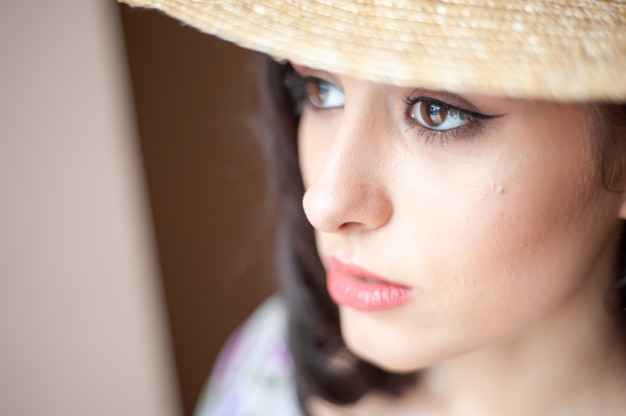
82 321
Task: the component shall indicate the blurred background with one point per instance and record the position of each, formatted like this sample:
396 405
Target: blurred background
134 232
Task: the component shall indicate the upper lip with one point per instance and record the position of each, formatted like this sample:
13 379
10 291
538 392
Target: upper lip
359 272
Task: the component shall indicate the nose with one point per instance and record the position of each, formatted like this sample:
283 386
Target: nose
350 191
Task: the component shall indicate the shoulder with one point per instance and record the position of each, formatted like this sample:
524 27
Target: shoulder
253 376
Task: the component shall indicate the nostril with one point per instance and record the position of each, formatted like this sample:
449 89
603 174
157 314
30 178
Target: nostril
352 227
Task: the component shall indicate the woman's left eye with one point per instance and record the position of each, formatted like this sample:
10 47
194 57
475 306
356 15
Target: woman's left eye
323 94
438 116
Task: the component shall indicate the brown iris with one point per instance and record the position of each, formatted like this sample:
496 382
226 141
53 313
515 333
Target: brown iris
318 92
433 113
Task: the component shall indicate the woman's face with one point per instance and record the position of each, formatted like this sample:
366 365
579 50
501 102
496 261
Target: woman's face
450 223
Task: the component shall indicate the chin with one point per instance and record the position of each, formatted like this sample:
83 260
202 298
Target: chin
389 353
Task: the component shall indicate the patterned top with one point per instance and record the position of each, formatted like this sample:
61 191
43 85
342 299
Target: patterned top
253 376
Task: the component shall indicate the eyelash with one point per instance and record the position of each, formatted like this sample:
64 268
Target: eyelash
296 85
471 128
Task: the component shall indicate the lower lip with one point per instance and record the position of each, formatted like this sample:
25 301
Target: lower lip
352 286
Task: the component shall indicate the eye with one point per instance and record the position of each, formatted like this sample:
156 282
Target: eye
323 94
435 115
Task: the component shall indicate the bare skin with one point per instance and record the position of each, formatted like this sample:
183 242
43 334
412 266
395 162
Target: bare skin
500 224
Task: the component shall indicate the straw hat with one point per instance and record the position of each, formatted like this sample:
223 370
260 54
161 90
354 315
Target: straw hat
554 49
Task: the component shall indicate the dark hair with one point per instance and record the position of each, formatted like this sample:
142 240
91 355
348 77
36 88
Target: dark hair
324 367
610 125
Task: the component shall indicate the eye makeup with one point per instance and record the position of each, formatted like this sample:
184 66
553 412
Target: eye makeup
433 118
430 114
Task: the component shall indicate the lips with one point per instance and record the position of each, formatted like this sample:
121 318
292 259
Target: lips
360 289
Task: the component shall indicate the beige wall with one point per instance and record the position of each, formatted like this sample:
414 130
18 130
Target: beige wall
81 315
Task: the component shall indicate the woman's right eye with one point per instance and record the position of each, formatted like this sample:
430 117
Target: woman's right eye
323 94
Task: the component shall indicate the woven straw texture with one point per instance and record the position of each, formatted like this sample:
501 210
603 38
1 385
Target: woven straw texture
557 49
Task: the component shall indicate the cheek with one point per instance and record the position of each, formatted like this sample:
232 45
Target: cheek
506 247
488 258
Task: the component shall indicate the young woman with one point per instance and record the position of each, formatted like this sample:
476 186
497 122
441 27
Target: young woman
462 169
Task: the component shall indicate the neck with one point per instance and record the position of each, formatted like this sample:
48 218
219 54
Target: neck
572 363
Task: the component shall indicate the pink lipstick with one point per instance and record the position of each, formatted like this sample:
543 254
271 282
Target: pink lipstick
360 289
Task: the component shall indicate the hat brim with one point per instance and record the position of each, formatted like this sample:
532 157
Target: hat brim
526 49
